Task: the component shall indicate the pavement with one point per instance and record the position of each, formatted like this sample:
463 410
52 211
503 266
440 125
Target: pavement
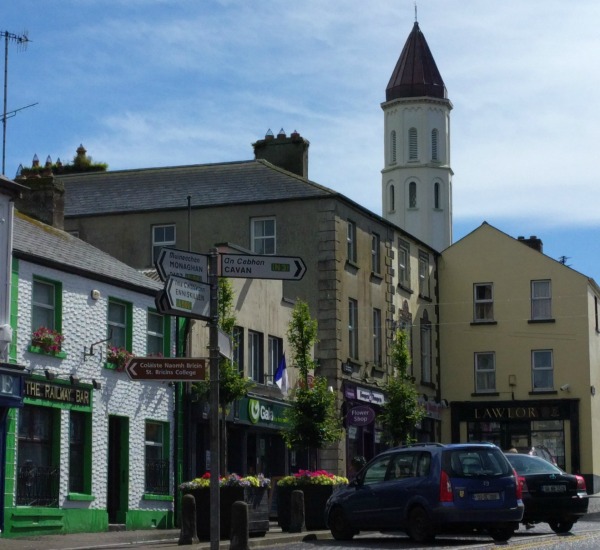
162 539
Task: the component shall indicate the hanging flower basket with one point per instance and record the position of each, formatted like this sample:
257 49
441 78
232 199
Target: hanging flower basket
118 357
47 340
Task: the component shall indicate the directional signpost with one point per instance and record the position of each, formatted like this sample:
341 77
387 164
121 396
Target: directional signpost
245 266
175 369
185 298
180 263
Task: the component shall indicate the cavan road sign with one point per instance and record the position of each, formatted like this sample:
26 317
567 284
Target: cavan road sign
176 369
188 298
245 266
180 263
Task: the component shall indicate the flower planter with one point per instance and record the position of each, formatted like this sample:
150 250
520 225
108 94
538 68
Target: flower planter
257 499
315 498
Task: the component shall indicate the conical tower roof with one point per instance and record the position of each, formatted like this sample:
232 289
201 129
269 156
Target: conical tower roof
415 74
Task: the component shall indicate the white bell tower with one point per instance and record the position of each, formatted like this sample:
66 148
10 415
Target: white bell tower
417 178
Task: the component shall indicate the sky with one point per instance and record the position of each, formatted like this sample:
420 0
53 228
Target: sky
149 83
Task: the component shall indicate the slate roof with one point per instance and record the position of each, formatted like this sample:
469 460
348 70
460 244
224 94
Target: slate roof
168 187
39 243
416 74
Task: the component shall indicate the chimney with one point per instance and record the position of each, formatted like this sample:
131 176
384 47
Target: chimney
44 200
289 153
532 242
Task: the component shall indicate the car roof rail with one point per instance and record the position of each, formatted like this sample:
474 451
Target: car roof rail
425 444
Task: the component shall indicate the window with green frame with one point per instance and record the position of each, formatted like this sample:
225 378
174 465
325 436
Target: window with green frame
46 310
158 334
80 444
157 461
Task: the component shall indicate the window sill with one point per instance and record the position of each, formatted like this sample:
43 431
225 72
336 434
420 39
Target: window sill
486 394
475 323
81 497
113 366
405 288
536 321
40 351
426 298
152 496
428 384
352 265
543 392
376 277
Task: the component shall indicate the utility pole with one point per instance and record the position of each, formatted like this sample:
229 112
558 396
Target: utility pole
22 41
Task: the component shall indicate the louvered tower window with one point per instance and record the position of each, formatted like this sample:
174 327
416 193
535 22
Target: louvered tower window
393 147
412 144
434 144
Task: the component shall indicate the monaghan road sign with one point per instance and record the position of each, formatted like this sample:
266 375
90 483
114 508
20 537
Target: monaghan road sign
178 369
180 263
245 266
187 298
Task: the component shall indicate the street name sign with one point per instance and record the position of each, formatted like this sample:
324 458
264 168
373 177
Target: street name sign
246 266
180 263
175 369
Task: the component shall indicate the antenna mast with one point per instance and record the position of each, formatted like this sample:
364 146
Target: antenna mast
20 40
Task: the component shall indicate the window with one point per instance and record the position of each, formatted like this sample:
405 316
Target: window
542 370
393 147
426 350
119 324
413 152
353 328
412 195
434 144
46 304
377 340
404 264
155 335
375 253
483 302
376 472
541 300
255 356
79 459
263 235
351 239
238 348
436 195
157 458
596 312
275 353
485 372
37 474
392 198
163 236
423 274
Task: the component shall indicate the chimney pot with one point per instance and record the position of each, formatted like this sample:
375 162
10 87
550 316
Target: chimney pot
281 134
36 161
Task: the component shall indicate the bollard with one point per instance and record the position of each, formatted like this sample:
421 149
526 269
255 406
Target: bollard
239 526
188 533
297 524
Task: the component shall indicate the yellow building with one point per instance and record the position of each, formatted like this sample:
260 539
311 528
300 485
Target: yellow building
520 350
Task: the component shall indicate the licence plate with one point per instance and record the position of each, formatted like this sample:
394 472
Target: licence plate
554 489
486 496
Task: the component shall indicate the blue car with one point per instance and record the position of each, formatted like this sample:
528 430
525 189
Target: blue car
427 489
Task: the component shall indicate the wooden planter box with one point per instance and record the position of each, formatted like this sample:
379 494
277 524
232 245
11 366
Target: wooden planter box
315 498
257 499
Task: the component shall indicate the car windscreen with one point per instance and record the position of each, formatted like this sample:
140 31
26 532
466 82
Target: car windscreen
525 464
475 462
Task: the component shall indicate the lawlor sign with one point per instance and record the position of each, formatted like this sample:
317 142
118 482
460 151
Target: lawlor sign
261 412
363 415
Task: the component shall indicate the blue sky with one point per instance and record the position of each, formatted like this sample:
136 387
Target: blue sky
145 83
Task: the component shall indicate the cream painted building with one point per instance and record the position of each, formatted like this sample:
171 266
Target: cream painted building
520 348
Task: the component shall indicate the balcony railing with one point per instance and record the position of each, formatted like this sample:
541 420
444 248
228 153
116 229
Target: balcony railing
157 477
37 485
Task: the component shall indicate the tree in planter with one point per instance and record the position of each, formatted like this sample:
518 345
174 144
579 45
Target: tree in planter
312 419
232 384
401 411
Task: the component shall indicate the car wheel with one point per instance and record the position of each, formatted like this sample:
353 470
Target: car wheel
561 526
339 526
503 533
419 527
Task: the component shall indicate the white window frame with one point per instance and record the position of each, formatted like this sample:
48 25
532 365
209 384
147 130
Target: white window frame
375 253
485 372
264 241
483 305
377 338
542 373
351 241
47 309
404 263
424 289
155 335
541 302
158 243
255 367
353 328
275 353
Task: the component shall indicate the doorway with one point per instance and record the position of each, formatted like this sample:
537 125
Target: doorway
118 469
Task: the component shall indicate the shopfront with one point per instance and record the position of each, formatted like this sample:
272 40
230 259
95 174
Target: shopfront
552 425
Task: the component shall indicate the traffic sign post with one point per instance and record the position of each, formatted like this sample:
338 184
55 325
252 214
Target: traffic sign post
246 266
174 369
180 263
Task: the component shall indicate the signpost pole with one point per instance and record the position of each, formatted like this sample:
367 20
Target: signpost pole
215 455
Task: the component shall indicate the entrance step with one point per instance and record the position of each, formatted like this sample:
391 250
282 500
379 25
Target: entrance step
116 527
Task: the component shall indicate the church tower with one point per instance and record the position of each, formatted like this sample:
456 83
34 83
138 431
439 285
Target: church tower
417 178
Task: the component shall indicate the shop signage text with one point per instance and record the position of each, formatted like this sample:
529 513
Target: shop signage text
264 413
363 415
9 385
508 413
57 392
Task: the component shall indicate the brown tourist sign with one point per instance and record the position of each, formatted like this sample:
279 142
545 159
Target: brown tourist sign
175 369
